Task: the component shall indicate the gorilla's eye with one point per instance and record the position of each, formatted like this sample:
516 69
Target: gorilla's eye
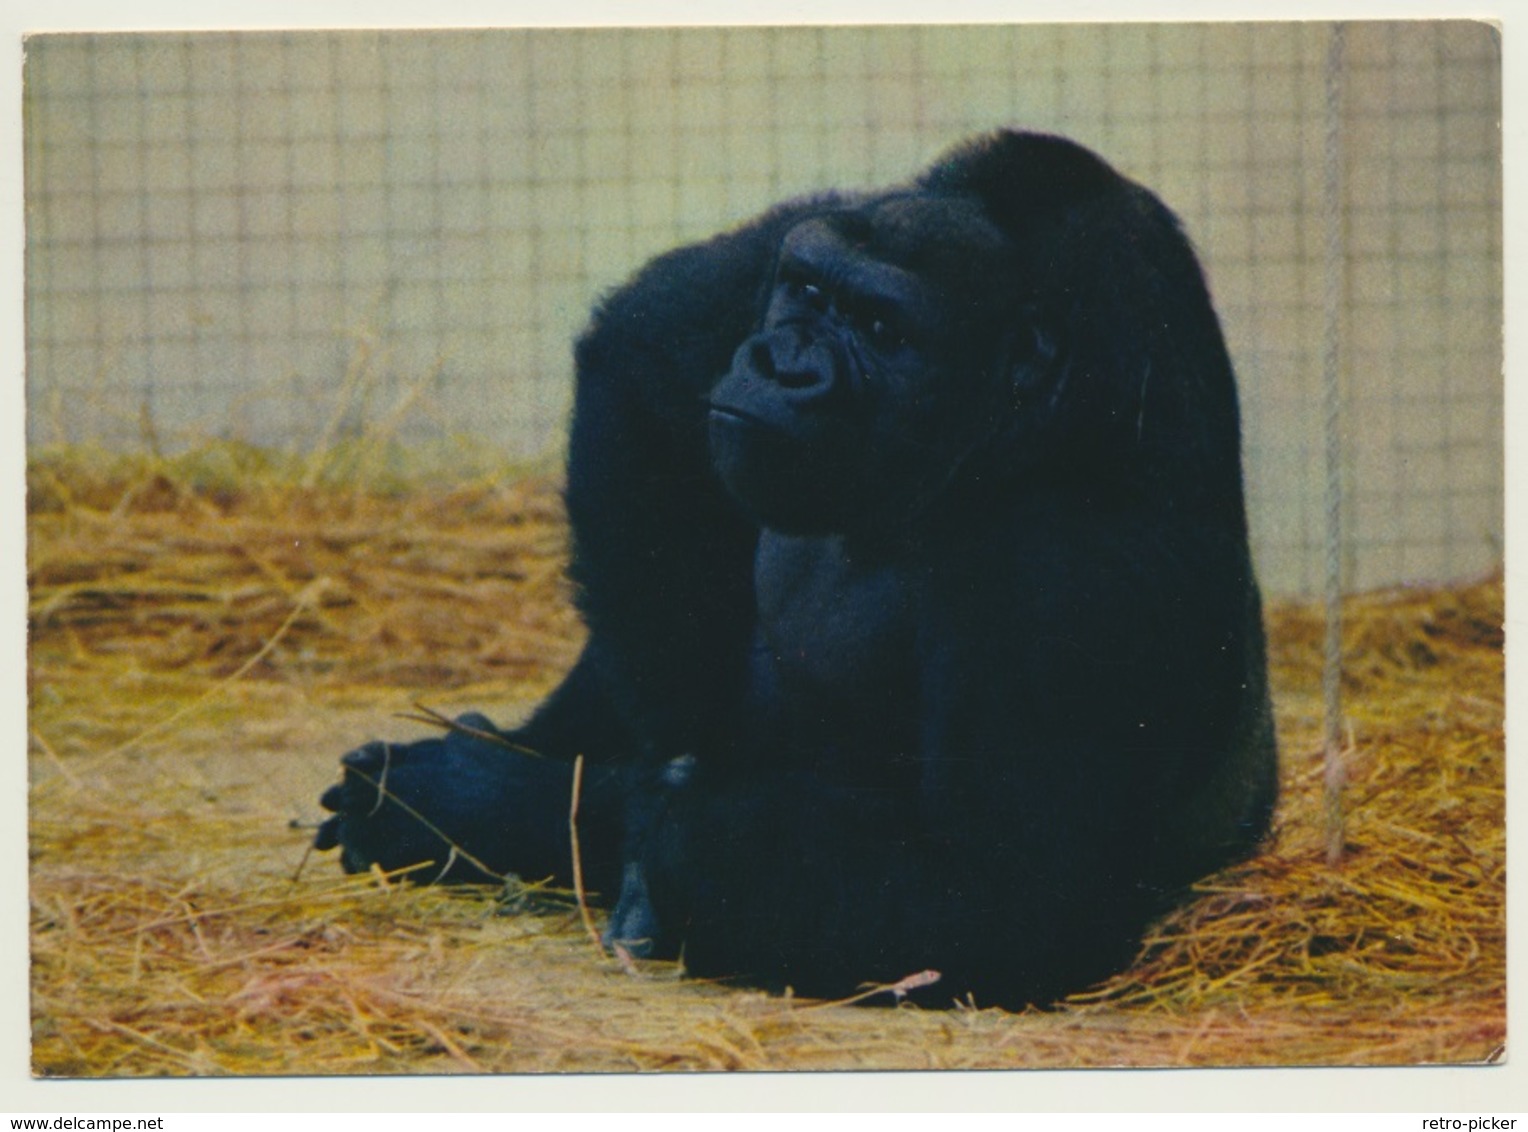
884 332
808 294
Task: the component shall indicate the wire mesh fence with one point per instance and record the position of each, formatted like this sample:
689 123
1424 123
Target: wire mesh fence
289 237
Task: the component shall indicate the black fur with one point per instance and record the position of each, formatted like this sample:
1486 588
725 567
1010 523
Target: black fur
923 633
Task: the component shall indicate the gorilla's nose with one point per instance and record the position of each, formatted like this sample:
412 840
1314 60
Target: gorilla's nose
802 366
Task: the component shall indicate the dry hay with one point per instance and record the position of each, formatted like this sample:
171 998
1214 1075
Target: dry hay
208 633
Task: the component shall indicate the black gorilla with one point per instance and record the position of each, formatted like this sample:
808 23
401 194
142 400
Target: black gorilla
908 529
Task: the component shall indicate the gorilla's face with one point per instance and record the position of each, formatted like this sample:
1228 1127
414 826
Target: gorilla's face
882 359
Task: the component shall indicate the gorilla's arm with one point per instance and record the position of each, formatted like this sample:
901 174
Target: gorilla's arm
662 559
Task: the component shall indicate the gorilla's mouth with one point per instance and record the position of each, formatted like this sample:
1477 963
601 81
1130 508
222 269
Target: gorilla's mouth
735 434
789 481
769 444
728 416
768 424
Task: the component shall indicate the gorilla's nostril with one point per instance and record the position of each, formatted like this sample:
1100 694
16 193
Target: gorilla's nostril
761 358
799 379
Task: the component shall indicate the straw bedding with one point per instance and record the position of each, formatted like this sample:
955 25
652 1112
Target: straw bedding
209 633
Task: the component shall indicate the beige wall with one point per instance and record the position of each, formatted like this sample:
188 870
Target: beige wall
217 223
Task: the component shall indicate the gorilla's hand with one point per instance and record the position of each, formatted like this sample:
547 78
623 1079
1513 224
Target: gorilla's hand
466 808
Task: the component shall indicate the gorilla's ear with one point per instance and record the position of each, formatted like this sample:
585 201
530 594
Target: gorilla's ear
1029 356
1019 175
1032 359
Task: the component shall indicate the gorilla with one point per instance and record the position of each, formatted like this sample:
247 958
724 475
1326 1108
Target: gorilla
909 533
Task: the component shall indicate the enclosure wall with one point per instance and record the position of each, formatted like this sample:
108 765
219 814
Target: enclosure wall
292 238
